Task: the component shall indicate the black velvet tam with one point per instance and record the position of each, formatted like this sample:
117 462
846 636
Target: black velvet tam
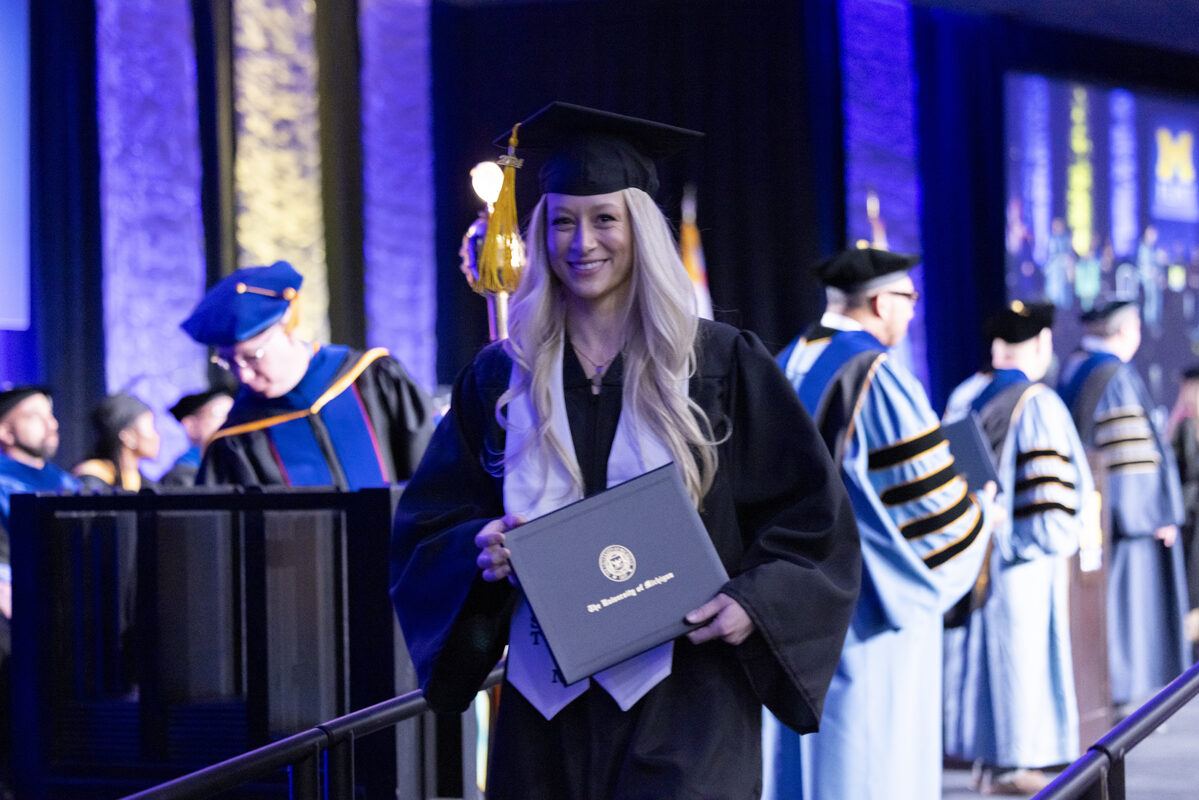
1020 322
863 268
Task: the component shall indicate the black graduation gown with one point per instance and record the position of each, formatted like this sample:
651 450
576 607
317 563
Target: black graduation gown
392 420
781 522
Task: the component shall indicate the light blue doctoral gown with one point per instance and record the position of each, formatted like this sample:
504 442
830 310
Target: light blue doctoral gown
923 539
1146 589
1009 679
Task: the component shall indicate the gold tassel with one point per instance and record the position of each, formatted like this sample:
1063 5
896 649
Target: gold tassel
503 251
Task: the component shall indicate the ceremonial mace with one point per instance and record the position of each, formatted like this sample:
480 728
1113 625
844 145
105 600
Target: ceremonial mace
492 251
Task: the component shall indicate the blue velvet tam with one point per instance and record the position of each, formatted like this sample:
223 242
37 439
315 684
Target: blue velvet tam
243 304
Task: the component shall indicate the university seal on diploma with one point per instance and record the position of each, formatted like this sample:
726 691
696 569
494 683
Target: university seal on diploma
588 623
617 563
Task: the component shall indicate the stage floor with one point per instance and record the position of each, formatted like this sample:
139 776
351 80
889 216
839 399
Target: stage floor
1163 767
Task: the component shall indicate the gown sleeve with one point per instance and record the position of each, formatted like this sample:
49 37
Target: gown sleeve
401 411
798 564
454 622
1142 483
1051 482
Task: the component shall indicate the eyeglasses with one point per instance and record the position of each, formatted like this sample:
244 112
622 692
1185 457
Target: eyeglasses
914 296
245 361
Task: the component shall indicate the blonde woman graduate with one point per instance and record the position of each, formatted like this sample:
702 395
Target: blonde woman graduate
608 373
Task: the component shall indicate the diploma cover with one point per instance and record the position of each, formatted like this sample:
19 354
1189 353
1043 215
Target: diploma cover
971 454
612 575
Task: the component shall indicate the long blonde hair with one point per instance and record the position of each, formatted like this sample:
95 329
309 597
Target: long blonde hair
659 349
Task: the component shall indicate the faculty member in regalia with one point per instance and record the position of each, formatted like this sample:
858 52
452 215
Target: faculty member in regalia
1010 705
1146 589
609 372
923 539
306 414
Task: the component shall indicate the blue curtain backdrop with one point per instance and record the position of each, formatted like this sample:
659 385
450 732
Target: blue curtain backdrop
960 63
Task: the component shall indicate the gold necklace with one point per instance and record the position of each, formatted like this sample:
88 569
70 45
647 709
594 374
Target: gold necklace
597 377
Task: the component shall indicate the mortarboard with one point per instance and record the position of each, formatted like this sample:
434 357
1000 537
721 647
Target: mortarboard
191 403
1105 309
1020 322
11 397
587 151
863 268
243 304
1191 373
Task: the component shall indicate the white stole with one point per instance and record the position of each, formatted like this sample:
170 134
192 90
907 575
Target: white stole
531 491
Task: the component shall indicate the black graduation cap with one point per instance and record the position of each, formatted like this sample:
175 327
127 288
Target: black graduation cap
1020 321
1104 309
588 151
863 268
191 403
11 397
1191 373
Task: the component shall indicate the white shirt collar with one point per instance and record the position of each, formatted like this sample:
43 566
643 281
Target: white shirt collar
839 322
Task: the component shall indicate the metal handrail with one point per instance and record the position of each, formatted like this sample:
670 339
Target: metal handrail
1099 773
301 750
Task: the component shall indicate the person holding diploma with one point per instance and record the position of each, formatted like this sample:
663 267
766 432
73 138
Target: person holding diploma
1010 705
608 373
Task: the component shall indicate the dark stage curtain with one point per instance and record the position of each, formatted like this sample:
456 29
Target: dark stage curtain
960 63
212 25
341 167
67 307
739 72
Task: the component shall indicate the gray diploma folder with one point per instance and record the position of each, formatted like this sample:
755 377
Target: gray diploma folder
971 454
613 575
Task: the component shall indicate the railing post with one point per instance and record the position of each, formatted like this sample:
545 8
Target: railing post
339 770
1114 784
305 777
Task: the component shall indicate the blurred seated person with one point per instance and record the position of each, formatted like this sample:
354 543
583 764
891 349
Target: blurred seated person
307 414
125 434
201 415
28 440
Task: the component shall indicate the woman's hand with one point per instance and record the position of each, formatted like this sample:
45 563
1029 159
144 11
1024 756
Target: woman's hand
493 556
727 621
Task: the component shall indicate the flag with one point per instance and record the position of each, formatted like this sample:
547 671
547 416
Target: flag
693 254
